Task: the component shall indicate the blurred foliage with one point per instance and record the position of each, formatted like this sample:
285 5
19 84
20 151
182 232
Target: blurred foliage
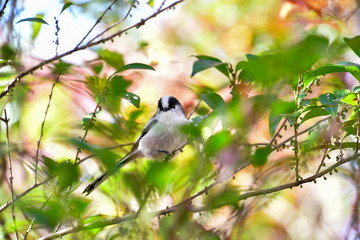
272 104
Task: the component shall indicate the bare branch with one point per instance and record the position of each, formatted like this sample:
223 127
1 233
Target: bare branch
42 128
8 203
96 23
3 9
278 131
113 25
18 78
10 173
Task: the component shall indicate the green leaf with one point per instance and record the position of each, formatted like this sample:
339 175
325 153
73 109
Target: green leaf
160 174
134 66
328 100
97 68
86 120
68 174
326 69
213 100
118 86
283 108
66 5
7 52
260 156
356 89
61 67
132 98
114 59
36 26
150 3
206 62
316 112
274 121
251 57
217 142
240 65
354 44
351 99
134 183
34 19
340 93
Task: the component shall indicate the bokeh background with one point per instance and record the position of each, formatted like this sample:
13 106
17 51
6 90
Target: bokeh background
225 29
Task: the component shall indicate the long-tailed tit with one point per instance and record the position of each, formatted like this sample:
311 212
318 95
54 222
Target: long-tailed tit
160 136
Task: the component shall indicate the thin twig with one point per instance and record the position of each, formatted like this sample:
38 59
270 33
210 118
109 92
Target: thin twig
34 186
10 173
113 25
278 131
33 220
194 110
18 78
77 159
323 158
3 9
302 132
42 128
96 23
108 148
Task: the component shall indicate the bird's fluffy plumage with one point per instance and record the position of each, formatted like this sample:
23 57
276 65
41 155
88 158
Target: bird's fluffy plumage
161 135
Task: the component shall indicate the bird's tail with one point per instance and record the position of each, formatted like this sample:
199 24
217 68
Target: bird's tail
106 174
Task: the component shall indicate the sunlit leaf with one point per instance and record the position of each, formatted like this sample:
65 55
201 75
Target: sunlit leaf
351 99
328 100
114 59
36 26
86 120
316 112
66 5
260 156
280 107
132 98
326 69
68 174
151 3
217 142
7 52
332 68
354 44
97 67
226 197
118 85
61 67
160 174
340 93
206 62
134 183
213 100
356 89
134 66
49 216
274 121
284 64
34 19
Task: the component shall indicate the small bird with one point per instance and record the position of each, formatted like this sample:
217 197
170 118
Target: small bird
160 136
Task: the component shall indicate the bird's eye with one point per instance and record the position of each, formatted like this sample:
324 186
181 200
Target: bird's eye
173 106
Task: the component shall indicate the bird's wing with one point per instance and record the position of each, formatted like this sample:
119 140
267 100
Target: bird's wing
149 125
